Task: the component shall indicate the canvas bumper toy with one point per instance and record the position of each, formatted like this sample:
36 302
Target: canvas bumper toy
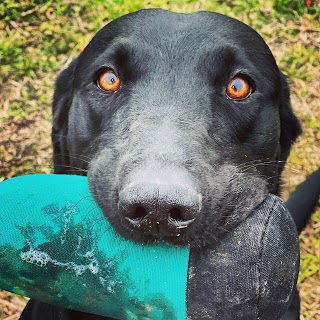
56 246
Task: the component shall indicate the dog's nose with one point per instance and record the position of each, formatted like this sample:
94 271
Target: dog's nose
159 209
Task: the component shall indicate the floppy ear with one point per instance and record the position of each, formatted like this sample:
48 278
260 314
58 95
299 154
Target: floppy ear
290 127
62 100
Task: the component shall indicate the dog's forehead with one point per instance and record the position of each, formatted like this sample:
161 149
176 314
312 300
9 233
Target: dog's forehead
152 25
178 35
155 35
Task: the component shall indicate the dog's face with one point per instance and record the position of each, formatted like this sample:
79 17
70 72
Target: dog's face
182 123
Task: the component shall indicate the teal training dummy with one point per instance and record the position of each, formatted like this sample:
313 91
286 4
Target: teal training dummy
56 246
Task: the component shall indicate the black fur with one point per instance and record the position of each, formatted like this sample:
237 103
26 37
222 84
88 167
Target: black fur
173 93
171 114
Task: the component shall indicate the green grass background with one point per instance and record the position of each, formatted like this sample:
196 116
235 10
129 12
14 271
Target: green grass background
40 38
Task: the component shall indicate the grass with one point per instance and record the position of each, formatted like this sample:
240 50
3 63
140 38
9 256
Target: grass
39 38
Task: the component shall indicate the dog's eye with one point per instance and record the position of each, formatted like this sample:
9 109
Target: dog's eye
239 88
108 81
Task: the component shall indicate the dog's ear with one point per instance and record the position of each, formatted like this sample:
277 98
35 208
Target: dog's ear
290 127
62 100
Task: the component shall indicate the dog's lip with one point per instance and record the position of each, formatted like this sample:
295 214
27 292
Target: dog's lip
182 224
157 229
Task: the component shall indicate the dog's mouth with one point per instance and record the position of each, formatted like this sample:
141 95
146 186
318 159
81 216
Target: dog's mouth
172 227
175 223
174 207
157 232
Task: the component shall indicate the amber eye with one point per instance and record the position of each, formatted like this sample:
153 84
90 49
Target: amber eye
239 88
108 81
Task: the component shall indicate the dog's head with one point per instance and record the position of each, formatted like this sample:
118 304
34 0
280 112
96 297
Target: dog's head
182 123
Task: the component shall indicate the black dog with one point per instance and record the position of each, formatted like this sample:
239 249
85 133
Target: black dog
181 122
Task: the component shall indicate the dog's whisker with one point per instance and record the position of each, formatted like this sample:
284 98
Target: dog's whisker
81 157
71 168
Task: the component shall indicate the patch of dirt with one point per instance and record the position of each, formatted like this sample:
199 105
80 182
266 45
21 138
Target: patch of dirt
25 146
